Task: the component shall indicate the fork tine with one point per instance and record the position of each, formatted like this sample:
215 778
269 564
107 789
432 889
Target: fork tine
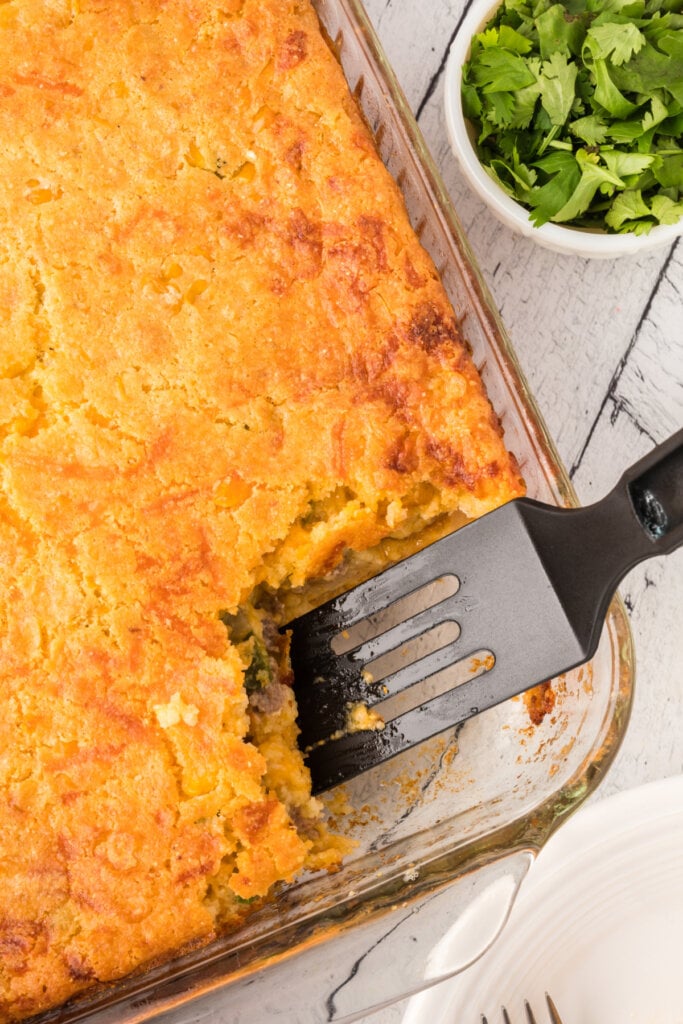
552 1009
554 1015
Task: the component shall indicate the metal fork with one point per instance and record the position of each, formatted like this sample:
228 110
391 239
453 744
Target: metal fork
552 1010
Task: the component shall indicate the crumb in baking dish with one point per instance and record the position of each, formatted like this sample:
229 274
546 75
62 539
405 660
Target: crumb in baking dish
225 363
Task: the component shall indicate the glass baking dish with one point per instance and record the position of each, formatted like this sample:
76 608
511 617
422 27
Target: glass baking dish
446 833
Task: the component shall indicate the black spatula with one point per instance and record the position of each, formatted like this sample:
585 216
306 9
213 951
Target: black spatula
533 586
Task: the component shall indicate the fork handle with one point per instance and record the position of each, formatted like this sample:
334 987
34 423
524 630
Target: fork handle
587 551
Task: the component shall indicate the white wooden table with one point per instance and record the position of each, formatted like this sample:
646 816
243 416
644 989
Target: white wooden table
601 343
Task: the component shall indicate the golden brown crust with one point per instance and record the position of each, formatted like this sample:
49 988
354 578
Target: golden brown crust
224 360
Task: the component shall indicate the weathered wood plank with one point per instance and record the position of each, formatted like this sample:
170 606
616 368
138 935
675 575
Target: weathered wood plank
415 37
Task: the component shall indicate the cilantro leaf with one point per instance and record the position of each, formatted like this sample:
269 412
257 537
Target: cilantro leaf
525 101
607 94
655 68
631 8
628 205
592 129
560 32
652 30
617 41
673 126
558 87
520 178
564 175
499 107
658 112
471 104
593 177
623 165
510 39
497 70
515 180
625 132
488 38
666 210
669 173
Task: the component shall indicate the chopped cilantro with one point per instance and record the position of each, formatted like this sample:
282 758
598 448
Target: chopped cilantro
578 107
258 673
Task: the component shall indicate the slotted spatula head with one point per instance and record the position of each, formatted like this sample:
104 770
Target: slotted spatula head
527 588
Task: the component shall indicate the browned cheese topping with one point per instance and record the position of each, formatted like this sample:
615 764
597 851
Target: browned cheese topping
224 362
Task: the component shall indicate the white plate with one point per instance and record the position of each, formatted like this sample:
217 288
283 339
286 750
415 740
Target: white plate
598 923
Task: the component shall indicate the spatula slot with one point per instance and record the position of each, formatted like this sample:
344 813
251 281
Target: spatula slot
447 679
431 640
424 597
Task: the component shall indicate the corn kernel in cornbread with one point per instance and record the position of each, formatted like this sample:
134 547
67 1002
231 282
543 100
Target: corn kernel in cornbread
225 363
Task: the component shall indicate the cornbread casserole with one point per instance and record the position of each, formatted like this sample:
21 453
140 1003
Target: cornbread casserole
225 363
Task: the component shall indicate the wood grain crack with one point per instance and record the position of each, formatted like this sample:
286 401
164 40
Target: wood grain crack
610 395
434 80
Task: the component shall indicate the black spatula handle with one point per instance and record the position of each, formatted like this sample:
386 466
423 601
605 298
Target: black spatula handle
655 489
587 551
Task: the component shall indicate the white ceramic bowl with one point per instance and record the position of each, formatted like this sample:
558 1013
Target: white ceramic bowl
560 238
